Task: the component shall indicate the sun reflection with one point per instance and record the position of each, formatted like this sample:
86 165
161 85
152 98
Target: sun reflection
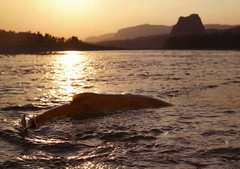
89 164
71 58
69 73
47 140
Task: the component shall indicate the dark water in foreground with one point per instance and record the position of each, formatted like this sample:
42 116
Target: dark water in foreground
201 130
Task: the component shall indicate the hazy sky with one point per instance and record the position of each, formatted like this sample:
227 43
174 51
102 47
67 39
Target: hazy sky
85 18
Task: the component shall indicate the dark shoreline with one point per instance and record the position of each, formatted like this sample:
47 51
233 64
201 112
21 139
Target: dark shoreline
48 52
36 43
16 51
44 51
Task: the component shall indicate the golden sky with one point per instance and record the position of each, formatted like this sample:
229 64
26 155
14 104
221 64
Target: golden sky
84 18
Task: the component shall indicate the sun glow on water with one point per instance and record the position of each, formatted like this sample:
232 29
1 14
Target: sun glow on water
69 73
71 58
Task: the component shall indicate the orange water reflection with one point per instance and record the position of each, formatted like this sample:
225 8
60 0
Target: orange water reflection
71 58
69 74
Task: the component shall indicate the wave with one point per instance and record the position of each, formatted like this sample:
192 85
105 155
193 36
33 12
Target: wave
129 136
15 137
27 107
220 133
229 153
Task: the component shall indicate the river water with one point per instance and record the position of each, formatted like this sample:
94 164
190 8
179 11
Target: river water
201 130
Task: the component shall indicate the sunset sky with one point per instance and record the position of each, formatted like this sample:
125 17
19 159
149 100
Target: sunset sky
84 18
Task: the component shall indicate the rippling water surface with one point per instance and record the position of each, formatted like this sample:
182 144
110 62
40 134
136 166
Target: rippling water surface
201 130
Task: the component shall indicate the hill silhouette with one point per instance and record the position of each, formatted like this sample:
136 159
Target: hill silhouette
144 31
141 31
149 42
132 33
218 26
189 25
188 33
214 41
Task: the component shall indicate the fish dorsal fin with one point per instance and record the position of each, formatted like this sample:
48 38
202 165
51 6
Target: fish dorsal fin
76 96
79 97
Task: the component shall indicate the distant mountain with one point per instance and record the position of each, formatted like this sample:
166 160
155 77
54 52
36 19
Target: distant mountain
233 30
144 31
213 39
190 25
149 42
95 39
132 33
218 26
194 36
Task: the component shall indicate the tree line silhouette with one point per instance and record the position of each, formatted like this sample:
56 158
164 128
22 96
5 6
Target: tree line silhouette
27 42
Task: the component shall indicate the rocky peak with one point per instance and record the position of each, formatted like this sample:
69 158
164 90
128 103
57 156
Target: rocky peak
188 26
